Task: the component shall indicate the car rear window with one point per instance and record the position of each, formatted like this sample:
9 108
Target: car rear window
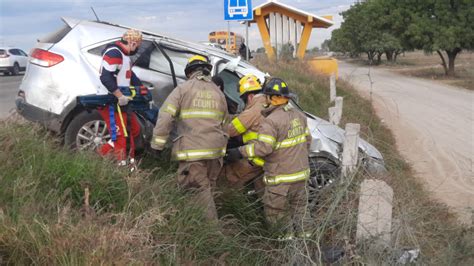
3 52
56 36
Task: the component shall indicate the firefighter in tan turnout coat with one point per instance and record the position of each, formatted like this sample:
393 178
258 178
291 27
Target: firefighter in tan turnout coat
246 126
283 142
198 109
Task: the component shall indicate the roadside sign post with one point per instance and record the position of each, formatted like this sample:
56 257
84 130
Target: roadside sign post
240 10
247 40
227 43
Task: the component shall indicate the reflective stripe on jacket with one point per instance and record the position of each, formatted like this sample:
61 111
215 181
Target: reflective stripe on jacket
283 142
247 123
198 109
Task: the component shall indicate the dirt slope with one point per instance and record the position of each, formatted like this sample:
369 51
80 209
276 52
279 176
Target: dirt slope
433 125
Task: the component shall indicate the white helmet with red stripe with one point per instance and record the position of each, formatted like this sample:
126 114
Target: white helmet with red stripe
132 35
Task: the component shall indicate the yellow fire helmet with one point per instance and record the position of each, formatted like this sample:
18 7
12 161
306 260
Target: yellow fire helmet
249 83
195 62
132 35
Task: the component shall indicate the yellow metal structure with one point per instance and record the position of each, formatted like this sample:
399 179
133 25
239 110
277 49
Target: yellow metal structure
309 21
262 26
304 40
324 65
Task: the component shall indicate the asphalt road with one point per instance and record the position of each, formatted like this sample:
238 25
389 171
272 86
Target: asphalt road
8 90
433 124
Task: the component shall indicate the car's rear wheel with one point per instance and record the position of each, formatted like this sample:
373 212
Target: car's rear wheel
16 69
87 131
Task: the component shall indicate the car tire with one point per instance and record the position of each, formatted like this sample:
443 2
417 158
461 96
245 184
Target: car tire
16 69
86 131
323 173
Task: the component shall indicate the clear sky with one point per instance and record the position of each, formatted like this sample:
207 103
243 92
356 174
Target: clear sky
24 21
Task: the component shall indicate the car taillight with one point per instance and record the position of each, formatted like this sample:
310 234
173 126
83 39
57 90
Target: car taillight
45 58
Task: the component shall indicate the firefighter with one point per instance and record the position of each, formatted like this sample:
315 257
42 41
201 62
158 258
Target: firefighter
245 126
198 109
116 71
283 142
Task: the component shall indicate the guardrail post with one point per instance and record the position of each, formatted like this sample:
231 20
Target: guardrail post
332 88
350 150
374 220
335 113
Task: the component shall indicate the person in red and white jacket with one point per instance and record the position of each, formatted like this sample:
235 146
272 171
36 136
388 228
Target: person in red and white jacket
116 71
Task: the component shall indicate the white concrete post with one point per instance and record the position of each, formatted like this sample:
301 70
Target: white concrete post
275 15
374 220
335 113
350 150
292 35
332 88
288 28
284 28
332 114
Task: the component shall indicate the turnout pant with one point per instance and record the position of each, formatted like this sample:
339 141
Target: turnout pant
241 172
285 204
119 147
200 177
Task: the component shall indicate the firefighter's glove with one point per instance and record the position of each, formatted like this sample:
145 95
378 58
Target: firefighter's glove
123 100
233 155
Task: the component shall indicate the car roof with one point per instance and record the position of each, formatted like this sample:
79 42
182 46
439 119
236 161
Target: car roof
109 30
116 30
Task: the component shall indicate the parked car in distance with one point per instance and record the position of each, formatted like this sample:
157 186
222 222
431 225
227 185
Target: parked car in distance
12 60
65 64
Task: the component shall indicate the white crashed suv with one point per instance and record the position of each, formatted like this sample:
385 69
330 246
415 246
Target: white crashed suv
65 64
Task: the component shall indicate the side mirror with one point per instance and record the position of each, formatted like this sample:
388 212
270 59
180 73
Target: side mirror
295 97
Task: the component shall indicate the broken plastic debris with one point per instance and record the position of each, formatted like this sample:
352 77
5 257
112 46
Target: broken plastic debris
409 256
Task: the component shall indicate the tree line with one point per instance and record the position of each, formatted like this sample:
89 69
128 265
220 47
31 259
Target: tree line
390 27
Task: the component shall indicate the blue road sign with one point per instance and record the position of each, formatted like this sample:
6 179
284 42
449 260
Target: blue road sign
238 10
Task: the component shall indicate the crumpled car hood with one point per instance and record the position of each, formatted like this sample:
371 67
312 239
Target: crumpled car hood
336 134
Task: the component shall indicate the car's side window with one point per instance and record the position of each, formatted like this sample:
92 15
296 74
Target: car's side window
147 56
23 53
143 48
231 89
179 59
99 49
152 58
13 52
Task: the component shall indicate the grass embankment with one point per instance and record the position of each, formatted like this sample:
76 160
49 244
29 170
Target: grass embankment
138 218
143 218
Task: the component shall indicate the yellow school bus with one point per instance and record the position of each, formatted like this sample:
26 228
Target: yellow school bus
220 38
